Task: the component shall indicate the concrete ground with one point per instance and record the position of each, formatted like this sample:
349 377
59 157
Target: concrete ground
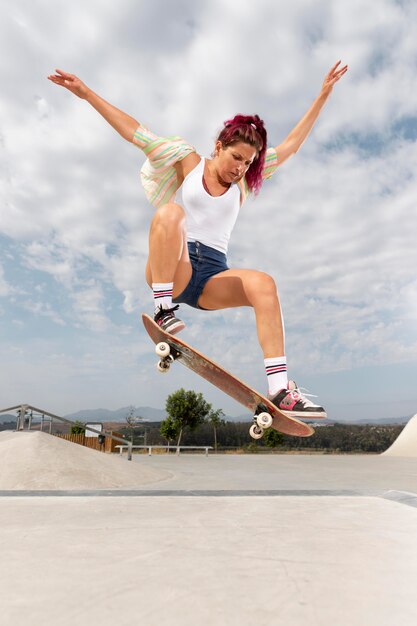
230 539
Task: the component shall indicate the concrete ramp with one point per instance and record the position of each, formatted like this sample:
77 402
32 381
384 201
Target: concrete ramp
406 442
35 460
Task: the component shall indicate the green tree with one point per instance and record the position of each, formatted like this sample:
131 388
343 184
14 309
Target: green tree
215 418
187 409
169 429
272 438
78 428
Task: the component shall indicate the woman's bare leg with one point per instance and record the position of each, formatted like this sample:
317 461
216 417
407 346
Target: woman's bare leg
168 259
234 288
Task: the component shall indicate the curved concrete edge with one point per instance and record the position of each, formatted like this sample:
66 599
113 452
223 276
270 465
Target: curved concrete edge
406 443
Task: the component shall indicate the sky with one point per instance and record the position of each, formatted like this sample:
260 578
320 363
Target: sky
336 225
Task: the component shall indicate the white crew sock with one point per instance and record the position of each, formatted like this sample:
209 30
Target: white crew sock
162 295
276 371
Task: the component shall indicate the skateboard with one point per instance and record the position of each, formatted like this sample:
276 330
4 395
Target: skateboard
265 414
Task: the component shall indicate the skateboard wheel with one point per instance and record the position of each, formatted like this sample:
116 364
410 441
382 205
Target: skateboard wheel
163 367
256 431
264 420
162 349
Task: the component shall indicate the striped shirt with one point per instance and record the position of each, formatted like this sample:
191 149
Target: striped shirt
158 174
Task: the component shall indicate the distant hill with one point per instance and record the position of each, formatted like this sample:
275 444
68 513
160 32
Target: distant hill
387 421
7 417
148 413
119 415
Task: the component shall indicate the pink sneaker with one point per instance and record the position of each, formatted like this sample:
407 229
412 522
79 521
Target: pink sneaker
294 404
166 319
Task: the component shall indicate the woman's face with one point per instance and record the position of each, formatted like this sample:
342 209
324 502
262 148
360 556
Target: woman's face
233 162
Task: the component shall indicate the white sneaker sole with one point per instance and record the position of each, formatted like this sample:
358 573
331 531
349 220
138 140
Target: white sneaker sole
175 328
306 415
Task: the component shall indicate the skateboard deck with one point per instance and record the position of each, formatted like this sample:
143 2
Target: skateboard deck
225 381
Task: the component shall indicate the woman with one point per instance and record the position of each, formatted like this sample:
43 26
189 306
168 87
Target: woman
197 202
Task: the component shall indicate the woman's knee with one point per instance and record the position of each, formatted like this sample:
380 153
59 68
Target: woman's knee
169 215
263 291
263 287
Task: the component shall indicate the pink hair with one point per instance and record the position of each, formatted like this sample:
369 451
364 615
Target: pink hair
249 129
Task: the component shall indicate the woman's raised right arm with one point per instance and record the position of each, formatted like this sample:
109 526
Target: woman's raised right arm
123 123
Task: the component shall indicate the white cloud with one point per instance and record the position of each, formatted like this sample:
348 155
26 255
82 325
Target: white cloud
5 288
44 309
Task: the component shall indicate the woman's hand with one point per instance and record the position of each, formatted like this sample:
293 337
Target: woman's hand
332 77
70 82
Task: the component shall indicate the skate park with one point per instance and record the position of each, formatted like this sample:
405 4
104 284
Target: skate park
173 539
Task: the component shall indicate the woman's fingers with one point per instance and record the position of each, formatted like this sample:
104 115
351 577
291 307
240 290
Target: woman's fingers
337 72
62 76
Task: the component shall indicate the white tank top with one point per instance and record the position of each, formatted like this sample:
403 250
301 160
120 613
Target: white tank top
210 219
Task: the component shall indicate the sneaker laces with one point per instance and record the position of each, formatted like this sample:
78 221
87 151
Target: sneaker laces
301 394
161 311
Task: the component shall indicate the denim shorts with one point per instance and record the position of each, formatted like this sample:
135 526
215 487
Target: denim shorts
206 262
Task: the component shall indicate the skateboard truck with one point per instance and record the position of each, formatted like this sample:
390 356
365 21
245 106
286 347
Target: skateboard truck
167 356
262 420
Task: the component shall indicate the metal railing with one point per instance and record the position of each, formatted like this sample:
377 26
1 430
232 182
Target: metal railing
25 411
176 448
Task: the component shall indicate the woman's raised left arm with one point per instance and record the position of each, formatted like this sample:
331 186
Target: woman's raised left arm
300 132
